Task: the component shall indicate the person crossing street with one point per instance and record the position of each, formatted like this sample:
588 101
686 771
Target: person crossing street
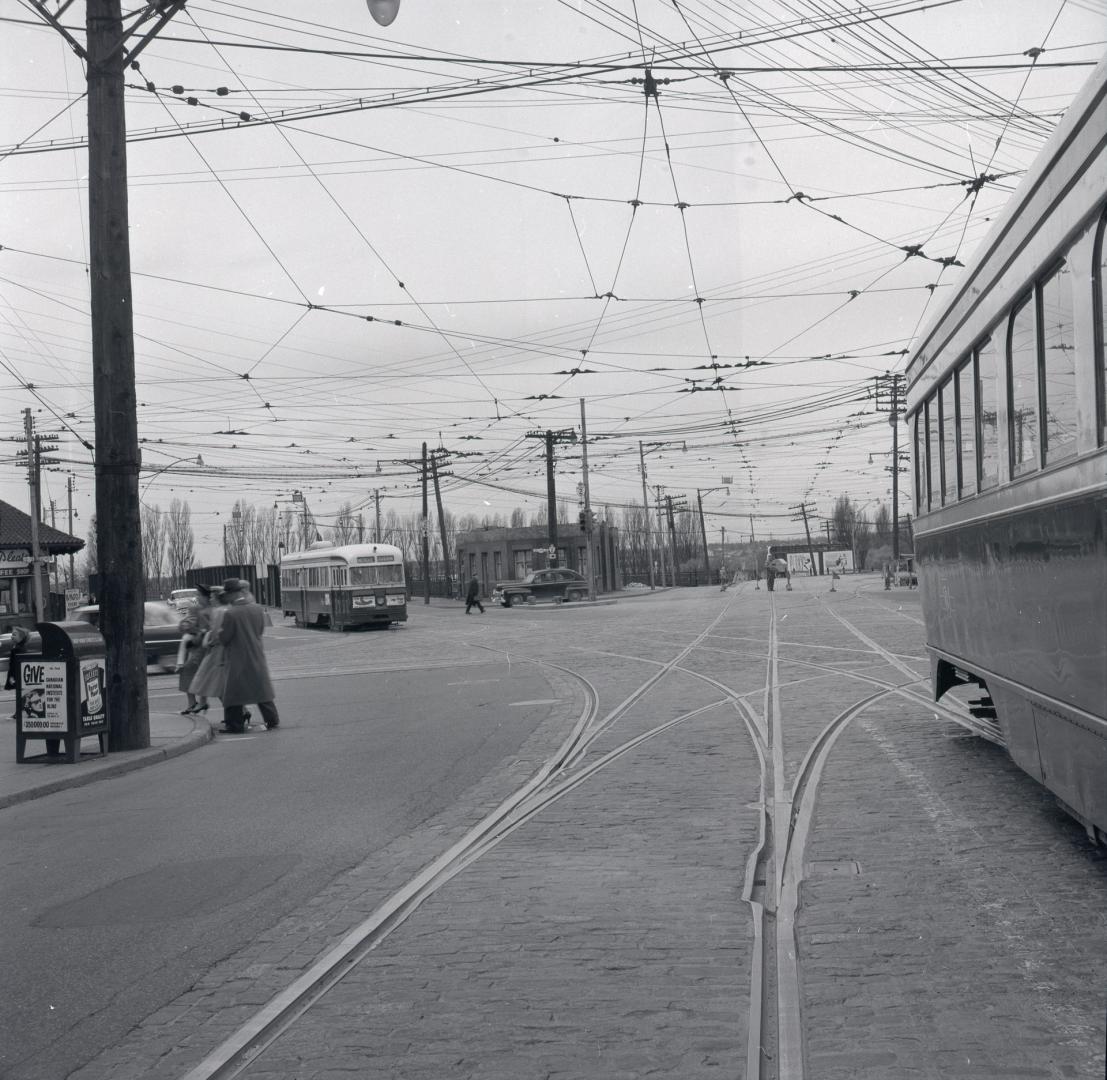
247 681
472 597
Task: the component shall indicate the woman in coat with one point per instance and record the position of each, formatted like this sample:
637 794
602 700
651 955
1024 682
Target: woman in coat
210 679
193 628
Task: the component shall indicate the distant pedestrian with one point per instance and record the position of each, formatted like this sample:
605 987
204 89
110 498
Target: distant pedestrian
724 579
19 638
194 627
472 597
248 681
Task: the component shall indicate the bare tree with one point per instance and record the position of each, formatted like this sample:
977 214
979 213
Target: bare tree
265 537
180 541
882 522
237 534
518 518
92 550
345 526
154 526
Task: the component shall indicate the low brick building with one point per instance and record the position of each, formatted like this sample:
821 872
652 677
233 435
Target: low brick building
496 553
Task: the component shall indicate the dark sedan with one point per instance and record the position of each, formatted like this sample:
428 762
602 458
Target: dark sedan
161 634
554 585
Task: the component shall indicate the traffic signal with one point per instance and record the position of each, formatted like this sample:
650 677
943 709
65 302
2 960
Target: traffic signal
583 519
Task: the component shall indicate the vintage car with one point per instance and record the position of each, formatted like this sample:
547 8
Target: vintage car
161 634
556 585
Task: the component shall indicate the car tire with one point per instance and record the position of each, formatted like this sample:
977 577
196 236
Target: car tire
573 595
509 601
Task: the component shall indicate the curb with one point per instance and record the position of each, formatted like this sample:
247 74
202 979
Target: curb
199 736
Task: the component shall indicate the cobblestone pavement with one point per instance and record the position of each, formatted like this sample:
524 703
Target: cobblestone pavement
952 922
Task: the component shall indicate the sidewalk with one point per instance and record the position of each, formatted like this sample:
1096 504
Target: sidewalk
170 734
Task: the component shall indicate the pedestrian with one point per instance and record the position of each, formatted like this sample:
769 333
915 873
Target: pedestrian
194 626
472 597
724 579
247 681
210 679
19 638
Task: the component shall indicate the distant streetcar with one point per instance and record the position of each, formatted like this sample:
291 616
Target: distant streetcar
345 586
1007 407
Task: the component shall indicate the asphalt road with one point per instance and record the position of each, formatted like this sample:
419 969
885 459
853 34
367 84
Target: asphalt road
118 896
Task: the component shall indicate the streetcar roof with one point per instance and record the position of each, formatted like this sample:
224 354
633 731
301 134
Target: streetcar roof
1072 149
345 555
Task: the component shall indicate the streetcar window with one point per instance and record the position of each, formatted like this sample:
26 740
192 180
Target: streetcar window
1058 364
1100 271
920 461
987 404
1022 387
933 456
948 435
966 427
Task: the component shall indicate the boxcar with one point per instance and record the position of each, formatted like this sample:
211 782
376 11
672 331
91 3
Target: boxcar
1008 422
345 586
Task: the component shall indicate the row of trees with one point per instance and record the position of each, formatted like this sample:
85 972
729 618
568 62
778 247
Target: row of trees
259 536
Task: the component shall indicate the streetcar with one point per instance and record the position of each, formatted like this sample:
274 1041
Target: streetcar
344 586
1007 416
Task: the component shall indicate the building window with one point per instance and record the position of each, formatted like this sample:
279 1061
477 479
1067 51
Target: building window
966 427
1058 364
1022 388
497 565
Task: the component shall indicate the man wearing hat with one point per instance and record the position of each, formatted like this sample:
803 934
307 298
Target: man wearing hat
248 681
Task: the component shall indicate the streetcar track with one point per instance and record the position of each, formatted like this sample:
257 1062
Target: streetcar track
773 872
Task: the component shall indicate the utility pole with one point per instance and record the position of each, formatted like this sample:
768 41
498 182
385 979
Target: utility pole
804 510
890 398
753 539
565 435
377 520
118 525
662 555
32 484
69 502
646 507
435 455
703 537
674 503
426 538
587 505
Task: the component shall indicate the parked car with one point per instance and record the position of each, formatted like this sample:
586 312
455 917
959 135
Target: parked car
184 599
160 631
161 634
541 585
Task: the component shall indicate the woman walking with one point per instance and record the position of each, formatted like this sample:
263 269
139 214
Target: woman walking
193 628
210 679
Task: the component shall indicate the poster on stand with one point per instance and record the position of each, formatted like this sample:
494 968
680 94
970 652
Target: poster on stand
43 695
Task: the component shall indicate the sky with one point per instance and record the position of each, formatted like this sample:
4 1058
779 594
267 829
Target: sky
713 223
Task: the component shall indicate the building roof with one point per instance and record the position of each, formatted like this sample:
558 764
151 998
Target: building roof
15 532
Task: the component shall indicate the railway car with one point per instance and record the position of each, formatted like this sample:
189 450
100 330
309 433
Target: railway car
1007 413
345 586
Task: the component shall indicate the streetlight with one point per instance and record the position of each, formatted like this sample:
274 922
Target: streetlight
197 460
383 11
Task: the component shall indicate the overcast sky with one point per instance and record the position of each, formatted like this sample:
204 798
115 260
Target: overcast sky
455 228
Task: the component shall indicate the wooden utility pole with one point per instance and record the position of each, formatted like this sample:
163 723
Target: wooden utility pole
118 527
587 506
890 398
551 438
426 538
646 507
32 483
441 517
803 509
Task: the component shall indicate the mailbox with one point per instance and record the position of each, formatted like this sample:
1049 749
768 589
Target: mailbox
60 697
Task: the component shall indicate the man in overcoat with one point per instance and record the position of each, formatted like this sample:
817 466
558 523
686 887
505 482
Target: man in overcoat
248 681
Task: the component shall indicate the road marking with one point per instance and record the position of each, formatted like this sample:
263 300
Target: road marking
537 701
472 682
